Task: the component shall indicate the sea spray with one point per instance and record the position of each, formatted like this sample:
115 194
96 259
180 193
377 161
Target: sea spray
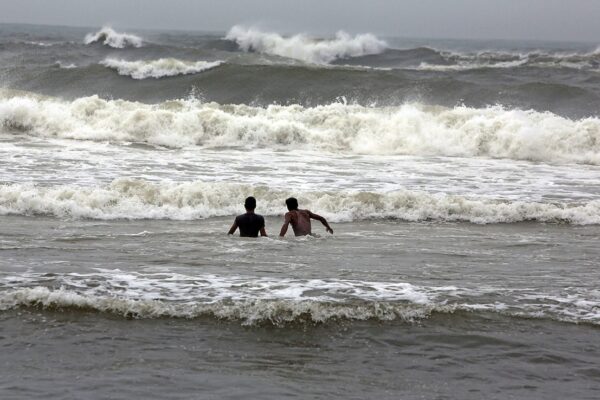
303 48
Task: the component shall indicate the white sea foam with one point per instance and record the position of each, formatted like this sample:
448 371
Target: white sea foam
410 129
65 66
163 67
257 300
41 44
138 199
110 37
465 66
304 48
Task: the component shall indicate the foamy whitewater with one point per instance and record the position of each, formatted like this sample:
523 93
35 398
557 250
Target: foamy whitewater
160 68
413 129
461 180
256 300
135 199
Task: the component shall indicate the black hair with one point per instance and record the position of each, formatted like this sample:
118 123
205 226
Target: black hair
250 203
292 203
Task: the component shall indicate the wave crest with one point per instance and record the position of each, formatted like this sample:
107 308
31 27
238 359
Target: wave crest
138 199
250 312
109 37
160 68
303 48
281 301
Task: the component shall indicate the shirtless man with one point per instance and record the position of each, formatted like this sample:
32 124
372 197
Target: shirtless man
300 219
250 224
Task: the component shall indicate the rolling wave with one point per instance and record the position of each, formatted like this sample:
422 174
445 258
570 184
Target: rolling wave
411 129
139 199
109 37
163 67
280 301
301 47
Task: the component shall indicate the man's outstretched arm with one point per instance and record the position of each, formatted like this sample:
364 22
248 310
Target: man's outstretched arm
233 228
322 219
286 222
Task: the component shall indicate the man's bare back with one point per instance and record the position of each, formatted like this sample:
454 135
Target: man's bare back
300 220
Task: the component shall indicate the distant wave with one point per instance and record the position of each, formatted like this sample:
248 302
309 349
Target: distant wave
139 199
457 61
111 38
465 66
411 129
430 59
42 44
280 301
160 68
301 47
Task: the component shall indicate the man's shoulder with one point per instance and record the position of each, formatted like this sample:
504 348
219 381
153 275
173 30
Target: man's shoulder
249 217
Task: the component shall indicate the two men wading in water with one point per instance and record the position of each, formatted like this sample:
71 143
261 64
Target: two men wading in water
250 224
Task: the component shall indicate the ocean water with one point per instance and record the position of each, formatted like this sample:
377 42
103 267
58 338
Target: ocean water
461 178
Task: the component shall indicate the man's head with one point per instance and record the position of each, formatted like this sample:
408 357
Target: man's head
292 204
250 203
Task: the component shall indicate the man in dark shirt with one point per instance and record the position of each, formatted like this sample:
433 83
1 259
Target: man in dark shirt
250 224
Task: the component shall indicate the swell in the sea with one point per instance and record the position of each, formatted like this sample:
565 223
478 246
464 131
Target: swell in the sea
502 59
139 199
363 49
429 59
280 301
412 129
368 50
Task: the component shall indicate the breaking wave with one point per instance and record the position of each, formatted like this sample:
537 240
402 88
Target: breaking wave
304 48
410 129
160 68
280 301
139 199
109 37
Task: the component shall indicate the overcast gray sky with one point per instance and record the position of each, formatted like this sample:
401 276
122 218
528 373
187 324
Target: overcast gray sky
486 19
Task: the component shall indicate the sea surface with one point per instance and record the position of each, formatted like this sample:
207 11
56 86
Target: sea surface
461 179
